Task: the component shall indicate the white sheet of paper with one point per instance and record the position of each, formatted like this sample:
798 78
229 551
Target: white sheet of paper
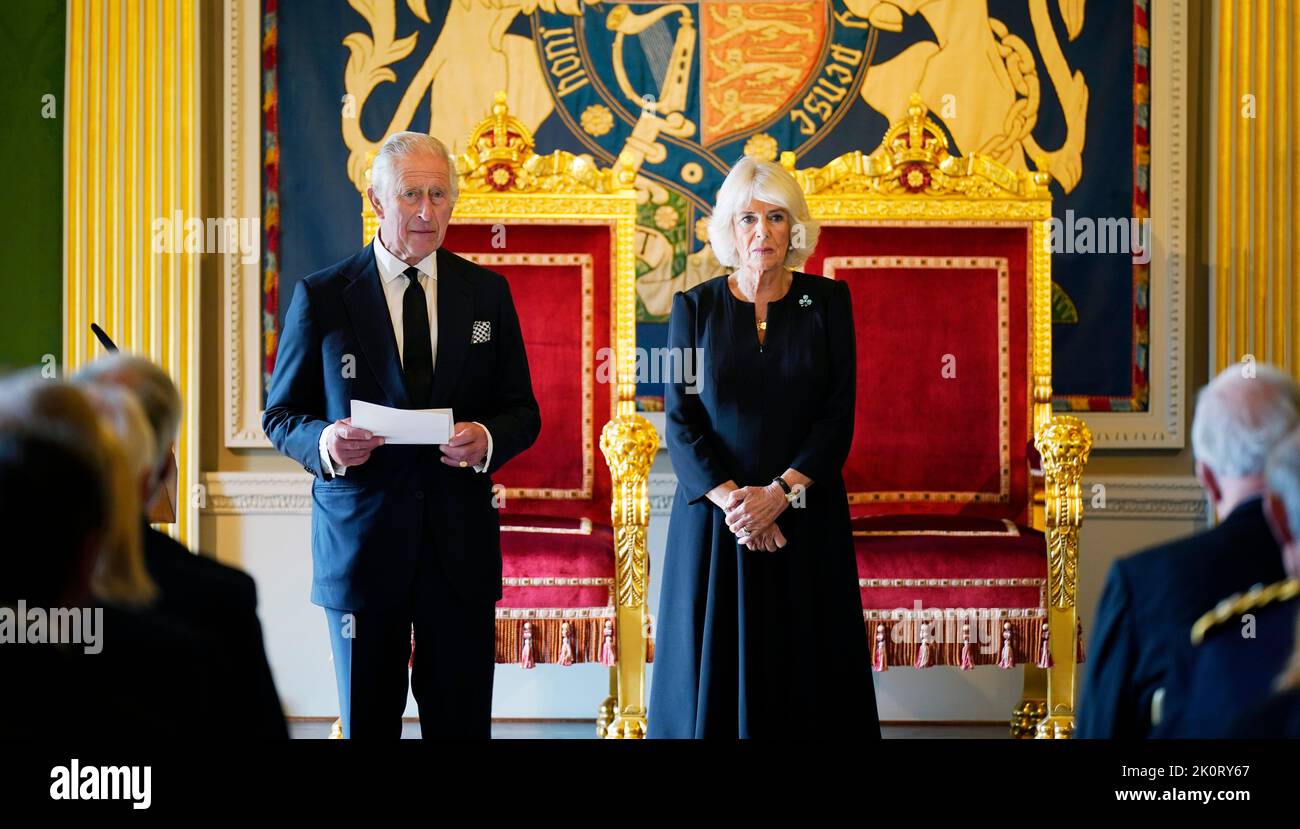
403 425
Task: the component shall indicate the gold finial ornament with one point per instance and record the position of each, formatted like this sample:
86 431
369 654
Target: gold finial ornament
629 444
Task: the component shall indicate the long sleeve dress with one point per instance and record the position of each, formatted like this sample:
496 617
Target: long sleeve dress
750 643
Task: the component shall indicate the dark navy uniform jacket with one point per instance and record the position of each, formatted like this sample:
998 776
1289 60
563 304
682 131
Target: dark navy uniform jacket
1149 605
1278 717
1221 681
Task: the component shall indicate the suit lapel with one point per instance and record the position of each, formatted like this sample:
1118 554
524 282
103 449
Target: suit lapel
366 307
455 320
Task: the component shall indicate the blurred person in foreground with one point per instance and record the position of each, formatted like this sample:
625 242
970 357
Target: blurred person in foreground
68 471
1152 598
217 601
1236 655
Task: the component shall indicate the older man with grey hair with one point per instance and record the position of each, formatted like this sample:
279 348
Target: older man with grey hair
217 602
161 402
1152 598
405 536
1222 675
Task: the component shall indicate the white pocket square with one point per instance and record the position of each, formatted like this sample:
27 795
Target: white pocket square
481 333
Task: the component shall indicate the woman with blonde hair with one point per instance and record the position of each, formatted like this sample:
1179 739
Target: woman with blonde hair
760 618
116 435
122 576
141 673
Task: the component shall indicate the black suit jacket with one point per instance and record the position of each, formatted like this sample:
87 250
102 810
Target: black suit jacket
338 345
1150 602
152 679
219 604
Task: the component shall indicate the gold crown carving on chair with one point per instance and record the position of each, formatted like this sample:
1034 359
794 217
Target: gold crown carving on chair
946 206
915 159
499 158
505 184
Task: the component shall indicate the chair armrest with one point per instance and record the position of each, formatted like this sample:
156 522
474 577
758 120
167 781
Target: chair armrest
1064 444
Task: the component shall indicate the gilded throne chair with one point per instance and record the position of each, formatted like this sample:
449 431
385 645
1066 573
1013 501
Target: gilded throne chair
573 508
964 488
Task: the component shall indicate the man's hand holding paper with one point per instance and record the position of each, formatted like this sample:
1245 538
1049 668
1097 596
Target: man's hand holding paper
350 445
467 446
463 444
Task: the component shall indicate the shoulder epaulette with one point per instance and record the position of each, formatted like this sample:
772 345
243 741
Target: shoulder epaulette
1235 605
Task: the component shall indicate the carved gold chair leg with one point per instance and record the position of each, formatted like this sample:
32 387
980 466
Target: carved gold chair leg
1061 677
1064 443
630 711
629 444
1032 706
605 715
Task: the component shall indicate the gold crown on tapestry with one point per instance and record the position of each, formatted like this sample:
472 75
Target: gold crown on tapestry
498 146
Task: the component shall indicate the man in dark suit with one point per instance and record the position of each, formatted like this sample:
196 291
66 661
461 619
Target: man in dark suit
405 535
1152 598
1224 672
216 602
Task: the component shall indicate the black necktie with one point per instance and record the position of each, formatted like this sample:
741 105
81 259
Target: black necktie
417 350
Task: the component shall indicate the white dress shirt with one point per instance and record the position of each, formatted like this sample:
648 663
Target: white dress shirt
393 278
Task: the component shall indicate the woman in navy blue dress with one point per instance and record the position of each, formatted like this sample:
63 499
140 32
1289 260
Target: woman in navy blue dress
760 631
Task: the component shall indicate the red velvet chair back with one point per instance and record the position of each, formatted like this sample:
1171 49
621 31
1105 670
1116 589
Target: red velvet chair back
560 279
944 394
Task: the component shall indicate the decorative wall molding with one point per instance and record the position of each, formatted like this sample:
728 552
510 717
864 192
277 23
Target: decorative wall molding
241 298
1128 498
1175 498
257 493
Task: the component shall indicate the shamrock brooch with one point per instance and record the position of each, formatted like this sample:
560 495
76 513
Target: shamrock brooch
804 301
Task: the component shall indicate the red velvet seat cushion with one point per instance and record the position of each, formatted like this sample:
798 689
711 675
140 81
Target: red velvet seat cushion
554 562
948 562
557 591
973 588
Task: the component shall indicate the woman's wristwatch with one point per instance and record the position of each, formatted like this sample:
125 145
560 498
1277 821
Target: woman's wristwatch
790 495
